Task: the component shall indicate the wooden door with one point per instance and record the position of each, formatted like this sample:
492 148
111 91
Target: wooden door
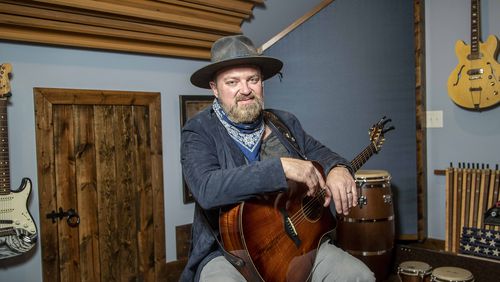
99 153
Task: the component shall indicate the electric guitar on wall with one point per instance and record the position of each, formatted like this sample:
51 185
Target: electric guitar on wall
18 231
275 236
475 82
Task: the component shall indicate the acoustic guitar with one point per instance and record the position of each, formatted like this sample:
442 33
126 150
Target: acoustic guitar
18 233
276 235
475 82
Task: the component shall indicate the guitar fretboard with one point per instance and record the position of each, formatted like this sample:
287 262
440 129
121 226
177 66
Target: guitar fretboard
475 29
361 159
4 149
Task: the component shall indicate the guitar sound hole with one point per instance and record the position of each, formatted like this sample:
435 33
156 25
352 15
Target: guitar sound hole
312 208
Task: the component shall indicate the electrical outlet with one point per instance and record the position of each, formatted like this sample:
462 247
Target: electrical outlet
434 119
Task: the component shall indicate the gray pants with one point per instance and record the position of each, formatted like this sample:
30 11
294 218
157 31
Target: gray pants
331 264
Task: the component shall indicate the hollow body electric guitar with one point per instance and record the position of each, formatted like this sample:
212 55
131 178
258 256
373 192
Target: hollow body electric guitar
18 231
475 82
276 235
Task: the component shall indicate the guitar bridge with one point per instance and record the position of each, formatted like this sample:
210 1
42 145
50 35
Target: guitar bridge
290 228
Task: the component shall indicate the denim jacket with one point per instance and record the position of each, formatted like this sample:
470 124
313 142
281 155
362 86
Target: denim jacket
217 174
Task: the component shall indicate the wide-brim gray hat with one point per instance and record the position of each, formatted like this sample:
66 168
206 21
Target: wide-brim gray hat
231 51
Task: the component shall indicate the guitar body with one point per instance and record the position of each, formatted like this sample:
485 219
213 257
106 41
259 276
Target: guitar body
17 229
475 81
18 232
14 208
260 232
277 235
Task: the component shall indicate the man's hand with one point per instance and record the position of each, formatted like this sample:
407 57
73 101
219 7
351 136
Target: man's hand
342 188
304 172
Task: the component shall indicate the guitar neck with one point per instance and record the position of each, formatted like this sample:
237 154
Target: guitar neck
475 37
361 159
4 149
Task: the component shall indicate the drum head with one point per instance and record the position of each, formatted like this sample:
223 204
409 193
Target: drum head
449 273
414 268
372 175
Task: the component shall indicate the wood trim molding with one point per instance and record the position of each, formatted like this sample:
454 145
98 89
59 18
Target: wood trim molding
181 28
294 25
420 106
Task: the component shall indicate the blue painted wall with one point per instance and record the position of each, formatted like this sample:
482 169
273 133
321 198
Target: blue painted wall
345 68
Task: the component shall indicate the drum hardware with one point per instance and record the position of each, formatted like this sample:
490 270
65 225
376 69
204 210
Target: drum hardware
362 200
492 215
387 199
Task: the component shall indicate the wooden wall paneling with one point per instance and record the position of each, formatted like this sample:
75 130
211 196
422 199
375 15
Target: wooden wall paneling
144 192
109 155
99 31
168 28
200 7
126 156
107 197
94 20
86 181
94 42
69 252
420 109
46 169
216 15
163 17
157 187
235 5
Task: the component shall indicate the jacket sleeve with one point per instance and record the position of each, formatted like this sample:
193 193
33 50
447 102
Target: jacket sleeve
213 177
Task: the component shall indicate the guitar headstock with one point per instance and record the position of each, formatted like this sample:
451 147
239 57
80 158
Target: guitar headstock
5 70
377 132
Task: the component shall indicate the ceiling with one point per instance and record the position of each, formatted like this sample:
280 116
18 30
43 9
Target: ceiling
180 28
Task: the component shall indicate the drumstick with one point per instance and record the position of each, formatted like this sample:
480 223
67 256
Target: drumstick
483 200
496 196
464 220
472 199
475 200
449 208
457 213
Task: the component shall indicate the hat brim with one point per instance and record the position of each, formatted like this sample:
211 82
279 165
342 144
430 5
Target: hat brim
269 67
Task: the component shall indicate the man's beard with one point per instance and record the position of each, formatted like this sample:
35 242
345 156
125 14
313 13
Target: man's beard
247 113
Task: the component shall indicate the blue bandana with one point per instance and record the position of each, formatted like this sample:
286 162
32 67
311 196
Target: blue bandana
248 136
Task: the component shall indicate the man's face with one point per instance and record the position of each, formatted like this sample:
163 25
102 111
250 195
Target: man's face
239 91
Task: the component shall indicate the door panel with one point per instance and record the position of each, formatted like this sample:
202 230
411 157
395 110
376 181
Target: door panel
99 152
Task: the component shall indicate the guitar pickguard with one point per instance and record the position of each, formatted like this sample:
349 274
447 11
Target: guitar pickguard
18 232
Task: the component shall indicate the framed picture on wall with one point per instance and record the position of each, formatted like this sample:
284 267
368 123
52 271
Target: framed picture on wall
189 106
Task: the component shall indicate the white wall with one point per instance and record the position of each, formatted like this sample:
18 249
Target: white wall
466 136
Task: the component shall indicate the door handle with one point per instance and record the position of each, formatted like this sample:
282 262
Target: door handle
73 217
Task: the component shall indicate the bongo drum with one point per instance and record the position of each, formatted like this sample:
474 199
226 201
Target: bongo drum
414 271
451 274
367 232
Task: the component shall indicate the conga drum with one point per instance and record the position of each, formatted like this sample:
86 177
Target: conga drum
414 271
367 232
451 274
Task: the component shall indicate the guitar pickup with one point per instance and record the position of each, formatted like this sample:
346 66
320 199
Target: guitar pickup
473 89
475 71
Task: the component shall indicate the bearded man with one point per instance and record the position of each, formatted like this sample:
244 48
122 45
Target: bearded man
236 151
